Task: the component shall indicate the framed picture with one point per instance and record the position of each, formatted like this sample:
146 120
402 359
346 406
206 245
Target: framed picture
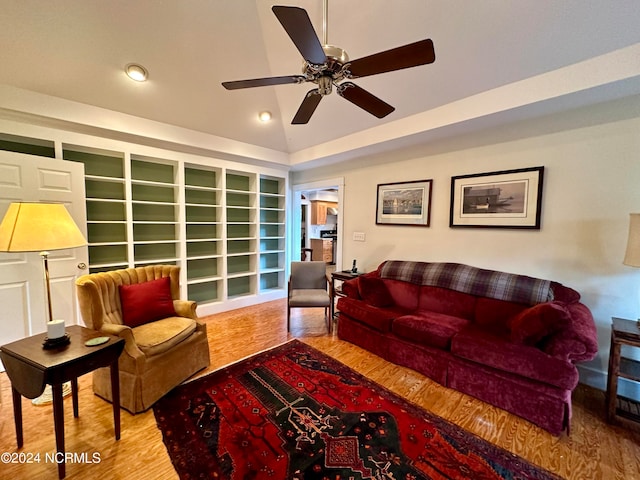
506 199
404 203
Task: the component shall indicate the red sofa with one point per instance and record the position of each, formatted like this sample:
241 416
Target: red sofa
510 340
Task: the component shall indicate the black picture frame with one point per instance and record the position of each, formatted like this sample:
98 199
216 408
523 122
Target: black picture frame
404 203
502 199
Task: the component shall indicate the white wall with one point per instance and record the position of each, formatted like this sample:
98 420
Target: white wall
591 184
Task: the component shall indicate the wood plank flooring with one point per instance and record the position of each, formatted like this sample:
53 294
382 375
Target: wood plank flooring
594 450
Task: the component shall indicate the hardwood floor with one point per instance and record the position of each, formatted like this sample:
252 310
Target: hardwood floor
594 450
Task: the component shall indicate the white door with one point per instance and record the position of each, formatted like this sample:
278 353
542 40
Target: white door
22 288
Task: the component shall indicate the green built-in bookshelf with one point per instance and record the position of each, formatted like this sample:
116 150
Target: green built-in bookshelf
204 233
106 200
224 226
272 233
241 232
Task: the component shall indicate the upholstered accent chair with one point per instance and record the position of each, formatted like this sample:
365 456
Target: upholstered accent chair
165 343
308 288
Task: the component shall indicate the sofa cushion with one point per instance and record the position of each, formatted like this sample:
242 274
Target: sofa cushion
146 302
450 302
159 336
495 314
374 291
377 318
482 347
533 325
428 328
405 295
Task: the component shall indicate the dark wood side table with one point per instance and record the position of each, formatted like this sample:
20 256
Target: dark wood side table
336 291
30 367
621 409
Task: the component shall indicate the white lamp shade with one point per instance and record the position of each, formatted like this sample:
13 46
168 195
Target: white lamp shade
632 256
35 227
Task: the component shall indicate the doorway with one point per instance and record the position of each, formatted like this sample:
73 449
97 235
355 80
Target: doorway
326 197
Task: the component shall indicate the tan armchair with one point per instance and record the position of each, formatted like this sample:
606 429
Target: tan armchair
158 355
308 288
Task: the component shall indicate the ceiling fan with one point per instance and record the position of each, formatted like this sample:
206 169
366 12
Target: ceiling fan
327 65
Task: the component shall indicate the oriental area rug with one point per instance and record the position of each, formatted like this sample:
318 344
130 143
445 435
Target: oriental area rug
293 413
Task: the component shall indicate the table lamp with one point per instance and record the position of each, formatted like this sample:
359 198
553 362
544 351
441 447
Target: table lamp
40 227
632 255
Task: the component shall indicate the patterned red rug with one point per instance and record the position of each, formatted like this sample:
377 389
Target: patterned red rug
294 413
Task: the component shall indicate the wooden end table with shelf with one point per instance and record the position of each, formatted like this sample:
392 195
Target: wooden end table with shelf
622 410
30 368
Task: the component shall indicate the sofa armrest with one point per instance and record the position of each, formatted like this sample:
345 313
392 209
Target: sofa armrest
577 342
378 318
350 288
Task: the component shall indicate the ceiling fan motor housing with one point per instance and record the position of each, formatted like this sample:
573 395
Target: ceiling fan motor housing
329 72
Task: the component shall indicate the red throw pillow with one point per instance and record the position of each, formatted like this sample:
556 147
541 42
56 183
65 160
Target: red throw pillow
374 291
146 302
534 324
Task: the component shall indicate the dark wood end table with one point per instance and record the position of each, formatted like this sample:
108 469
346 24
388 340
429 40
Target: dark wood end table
30 367
621 409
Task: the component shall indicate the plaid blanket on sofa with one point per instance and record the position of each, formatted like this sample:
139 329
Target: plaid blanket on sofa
472 280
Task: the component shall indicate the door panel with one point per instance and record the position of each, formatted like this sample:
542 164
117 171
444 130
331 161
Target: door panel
22 287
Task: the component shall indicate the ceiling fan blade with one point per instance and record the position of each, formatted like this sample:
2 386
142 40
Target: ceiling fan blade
298 26
307 107
365 100
407 56
263 82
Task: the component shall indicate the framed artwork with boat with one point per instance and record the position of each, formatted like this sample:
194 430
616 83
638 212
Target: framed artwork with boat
404 203
504 199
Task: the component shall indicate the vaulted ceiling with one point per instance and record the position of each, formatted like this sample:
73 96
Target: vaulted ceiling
495 60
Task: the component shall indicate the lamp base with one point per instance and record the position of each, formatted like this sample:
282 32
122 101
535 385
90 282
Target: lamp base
51 343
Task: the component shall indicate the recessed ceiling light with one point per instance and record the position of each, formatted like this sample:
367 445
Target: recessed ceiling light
136 72
264 116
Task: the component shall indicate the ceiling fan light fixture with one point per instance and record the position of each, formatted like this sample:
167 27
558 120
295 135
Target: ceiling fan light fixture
136 72
264 116
335 53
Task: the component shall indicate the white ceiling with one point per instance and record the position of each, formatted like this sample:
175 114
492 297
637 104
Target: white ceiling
488 53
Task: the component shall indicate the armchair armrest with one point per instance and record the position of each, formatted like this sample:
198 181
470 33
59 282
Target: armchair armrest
130 346
201 326
186 308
